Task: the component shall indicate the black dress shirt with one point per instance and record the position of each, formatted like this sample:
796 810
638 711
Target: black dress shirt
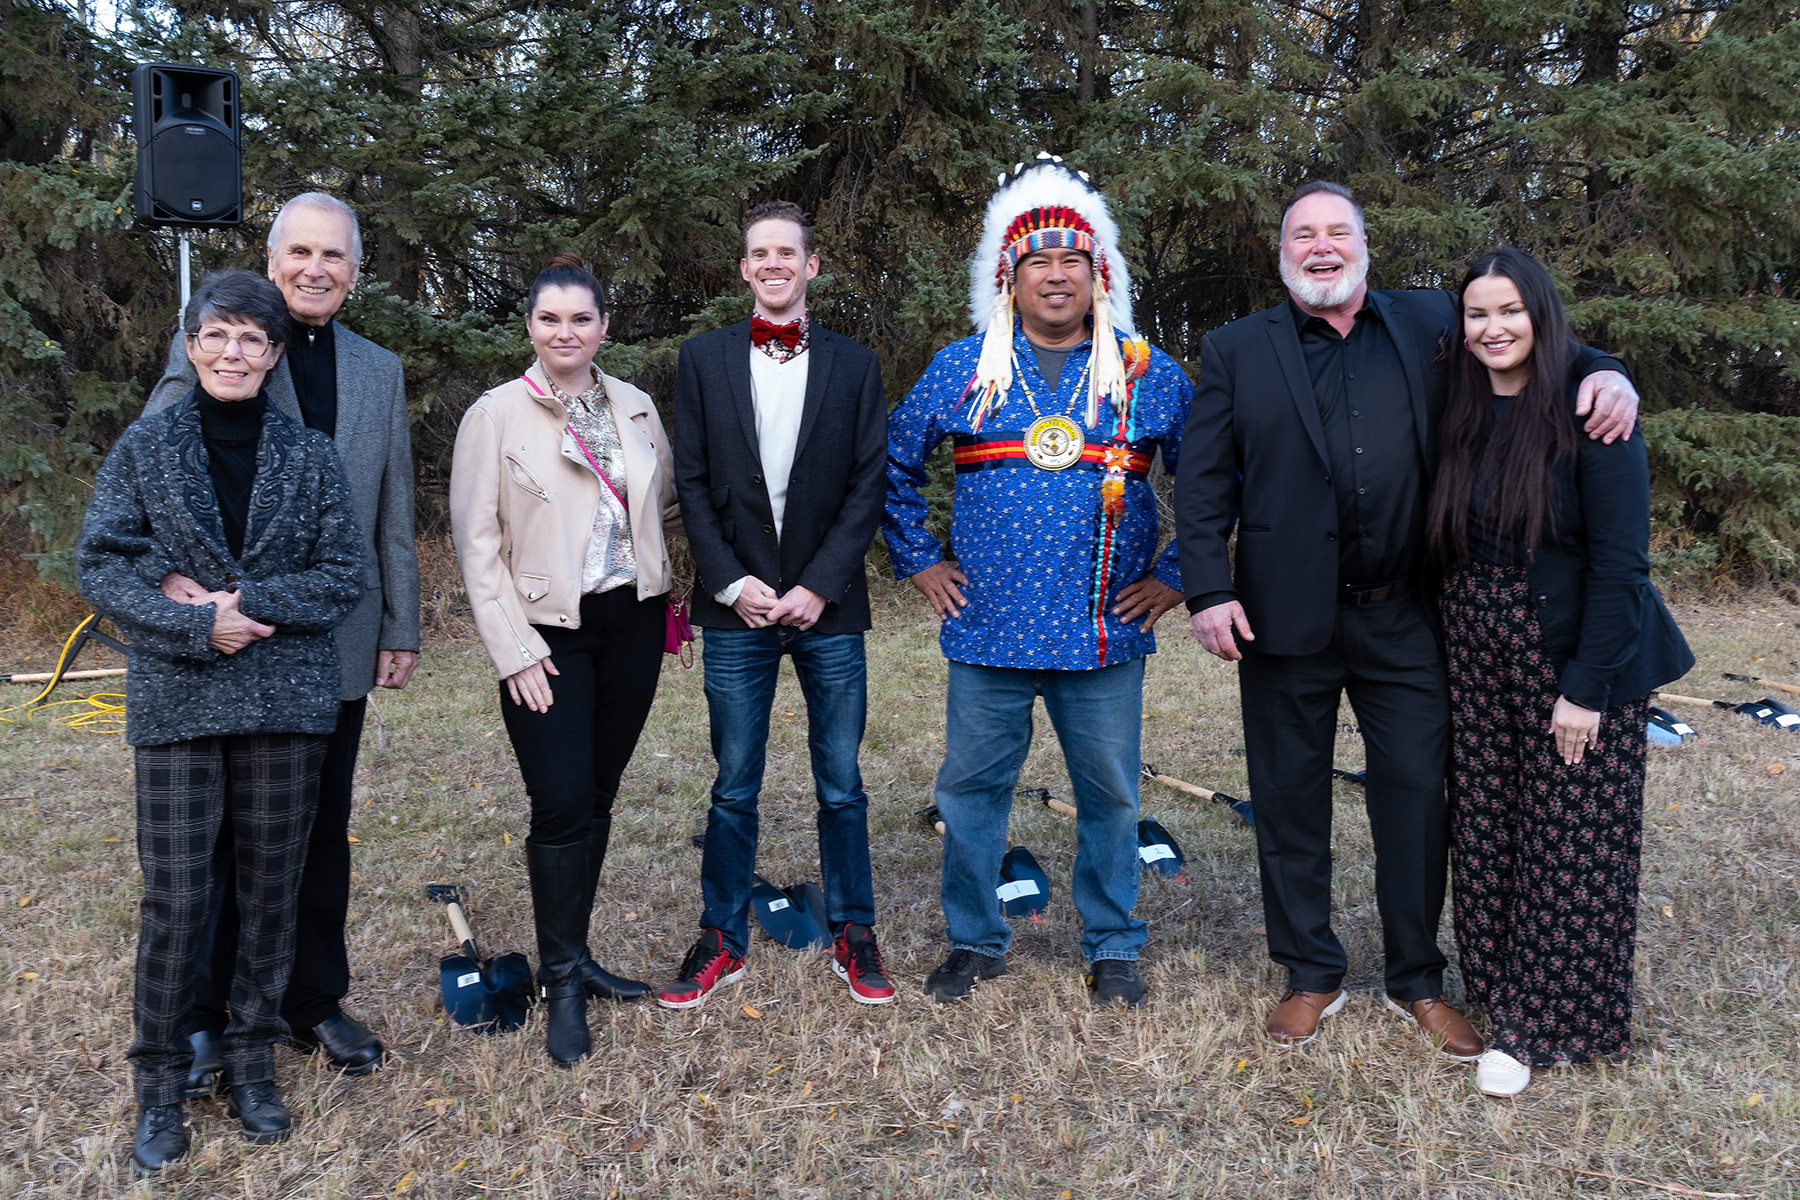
1372 446
232 430
312 363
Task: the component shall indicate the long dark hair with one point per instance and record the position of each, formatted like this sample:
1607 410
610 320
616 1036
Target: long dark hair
1513 463
567 269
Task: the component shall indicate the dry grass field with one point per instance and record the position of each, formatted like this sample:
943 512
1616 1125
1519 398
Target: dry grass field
782 1087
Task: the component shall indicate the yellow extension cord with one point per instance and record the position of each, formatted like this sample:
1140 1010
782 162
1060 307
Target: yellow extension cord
97 713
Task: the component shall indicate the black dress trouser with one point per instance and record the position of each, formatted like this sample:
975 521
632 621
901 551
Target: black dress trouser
321 971
1387 658
261 788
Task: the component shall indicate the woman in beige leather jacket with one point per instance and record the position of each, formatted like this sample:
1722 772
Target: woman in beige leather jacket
562 500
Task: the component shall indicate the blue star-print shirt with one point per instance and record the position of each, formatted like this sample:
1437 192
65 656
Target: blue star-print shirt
1027 537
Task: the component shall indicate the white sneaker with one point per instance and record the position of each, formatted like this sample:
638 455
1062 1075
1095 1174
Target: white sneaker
1498 1073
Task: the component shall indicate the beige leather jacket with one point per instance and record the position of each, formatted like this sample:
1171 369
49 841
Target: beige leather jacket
522 503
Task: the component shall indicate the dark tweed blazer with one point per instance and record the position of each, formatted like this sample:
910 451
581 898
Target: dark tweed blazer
154 511
374 443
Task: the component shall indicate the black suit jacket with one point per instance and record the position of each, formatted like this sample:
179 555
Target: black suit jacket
835 490
1254 456
1609 634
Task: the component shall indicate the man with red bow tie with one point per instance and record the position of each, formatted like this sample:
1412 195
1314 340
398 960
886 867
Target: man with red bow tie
780 451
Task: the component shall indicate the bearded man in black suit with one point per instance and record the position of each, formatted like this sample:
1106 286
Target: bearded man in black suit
1313 432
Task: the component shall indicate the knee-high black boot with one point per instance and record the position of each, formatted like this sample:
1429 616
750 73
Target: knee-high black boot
600 983
558 878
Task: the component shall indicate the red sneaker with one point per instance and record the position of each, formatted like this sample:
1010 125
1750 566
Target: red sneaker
706 966
858 963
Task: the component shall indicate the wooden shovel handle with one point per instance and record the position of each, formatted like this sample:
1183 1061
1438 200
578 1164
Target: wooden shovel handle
1066 809
1181 785
1672 697
47 676
459 923
1774 683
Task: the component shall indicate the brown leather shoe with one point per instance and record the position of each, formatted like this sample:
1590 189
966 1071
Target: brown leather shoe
1296 1018
1447 1030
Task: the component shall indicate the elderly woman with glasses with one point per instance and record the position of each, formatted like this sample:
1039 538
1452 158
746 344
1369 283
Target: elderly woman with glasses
221 541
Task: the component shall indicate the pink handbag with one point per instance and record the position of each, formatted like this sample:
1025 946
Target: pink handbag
678 635
678 631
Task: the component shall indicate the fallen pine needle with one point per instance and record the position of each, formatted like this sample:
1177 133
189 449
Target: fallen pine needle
1674 1188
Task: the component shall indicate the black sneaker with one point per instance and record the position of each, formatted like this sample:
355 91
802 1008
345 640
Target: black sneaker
162 1138
1116 981
259 1106
954 979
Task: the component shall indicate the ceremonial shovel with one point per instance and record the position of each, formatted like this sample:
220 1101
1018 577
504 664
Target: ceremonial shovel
491 995
1767 711
1024 889
1240 807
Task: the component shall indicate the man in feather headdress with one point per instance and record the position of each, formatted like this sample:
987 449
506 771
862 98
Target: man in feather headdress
1056 412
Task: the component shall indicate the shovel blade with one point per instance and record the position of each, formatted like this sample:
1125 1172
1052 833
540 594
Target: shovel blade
1662 718
795 917
492 997
1157 850
1773 713
1024 888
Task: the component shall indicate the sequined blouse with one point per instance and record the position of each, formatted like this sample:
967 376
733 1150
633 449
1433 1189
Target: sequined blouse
610 561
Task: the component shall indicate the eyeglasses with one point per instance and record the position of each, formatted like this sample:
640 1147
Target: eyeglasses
251 345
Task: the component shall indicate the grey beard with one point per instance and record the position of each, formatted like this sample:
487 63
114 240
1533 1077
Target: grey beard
1314 294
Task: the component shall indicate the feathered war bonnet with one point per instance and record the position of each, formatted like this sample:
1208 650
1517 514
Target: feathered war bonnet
1037 207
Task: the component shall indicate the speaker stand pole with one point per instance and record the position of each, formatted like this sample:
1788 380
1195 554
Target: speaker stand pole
187 279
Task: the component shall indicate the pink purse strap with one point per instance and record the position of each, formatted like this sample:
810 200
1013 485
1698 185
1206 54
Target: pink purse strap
592 462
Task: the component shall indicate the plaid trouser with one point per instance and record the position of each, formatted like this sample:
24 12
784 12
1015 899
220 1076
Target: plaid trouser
269 783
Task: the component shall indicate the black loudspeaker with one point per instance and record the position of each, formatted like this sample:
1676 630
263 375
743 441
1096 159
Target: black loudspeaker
189 170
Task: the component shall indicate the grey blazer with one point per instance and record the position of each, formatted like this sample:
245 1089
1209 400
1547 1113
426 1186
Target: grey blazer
154 512
374 442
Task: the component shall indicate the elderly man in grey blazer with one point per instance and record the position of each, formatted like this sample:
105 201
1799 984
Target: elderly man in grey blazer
355 393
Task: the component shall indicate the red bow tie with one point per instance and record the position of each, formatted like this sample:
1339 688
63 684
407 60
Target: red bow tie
762 331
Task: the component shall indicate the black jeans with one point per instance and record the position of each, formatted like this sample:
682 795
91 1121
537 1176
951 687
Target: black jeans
573 756
321 971
1386 657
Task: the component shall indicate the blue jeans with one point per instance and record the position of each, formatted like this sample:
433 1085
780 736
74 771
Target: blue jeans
740 667
1098 717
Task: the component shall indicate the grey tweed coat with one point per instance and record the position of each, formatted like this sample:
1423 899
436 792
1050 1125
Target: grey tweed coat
375 444
154 511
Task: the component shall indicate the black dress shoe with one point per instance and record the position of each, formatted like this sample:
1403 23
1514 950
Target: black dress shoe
206 1074
602 984
259 1106
350 1045
162 1137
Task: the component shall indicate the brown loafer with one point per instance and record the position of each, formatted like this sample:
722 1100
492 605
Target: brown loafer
1296 1018
1447 1030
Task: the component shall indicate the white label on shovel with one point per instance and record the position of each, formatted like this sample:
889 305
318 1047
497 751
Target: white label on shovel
1155 853
776 906
469 980
1683 728
1787 720
1016 889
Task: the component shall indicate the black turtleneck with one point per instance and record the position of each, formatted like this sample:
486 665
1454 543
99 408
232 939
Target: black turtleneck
232 430
312 364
